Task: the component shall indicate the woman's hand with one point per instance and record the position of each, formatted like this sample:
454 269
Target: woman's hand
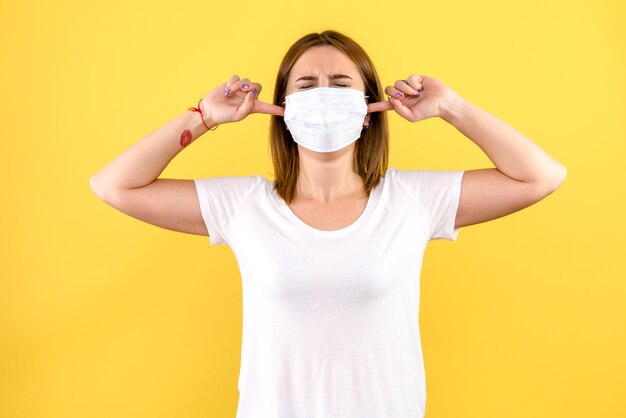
417 98
234 100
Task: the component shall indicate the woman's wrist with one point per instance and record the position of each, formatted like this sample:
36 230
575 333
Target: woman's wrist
452 108
195 123
195 126
204 118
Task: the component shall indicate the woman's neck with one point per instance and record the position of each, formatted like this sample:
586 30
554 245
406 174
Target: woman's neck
328 177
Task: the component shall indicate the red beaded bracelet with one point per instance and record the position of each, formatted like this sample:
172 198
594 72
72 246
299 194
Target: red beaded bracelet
197 109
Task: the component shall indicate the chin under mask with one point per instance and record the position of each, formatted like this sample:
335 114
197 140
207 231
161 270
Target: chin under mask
325 119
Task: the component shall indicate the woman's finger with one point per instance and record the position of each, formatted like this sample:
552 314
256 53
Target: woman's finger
379 107
232 80
416 81
402 110
246 107
252 87
268 108
406 88
394 92
236 86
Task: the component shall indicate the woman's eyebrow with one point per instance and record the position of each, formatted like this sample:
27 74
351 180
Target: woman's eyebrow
332 77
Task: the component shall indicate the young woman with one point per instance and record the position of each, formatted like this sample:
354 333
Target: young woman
330 252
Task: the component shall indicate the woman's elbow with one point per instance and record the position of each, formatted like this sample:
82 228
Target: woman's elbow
560 176
98 186
554 180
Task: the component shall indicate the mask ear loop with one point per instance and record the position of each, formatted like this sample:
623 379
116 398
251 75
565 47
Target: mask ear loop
363 163
366 126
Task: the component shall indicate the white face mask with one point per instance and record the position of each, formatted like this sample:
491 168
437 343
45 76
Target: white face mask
325 119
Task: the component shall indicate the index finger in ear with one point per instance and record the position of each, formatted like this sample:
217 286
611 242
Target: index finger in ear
379 107
268 108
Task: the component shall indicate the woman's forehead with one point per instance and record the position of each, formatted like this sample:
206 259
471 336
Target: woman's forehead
324 60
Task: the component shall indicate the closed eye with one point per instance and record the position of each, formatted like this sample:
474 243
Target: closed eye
340 85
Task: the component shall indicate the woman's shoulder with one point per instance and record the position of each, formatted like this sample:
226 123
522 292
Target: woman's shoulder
408 175
231 184
421 181
424 172
250 179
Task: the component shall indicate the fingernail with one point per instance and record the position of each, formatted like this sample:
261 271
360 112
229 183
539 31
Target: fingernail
417 94
254 92
227 92
399 94
244 86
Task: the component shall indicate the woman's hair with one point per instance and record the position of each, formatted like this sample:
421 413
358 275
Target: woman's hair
371 149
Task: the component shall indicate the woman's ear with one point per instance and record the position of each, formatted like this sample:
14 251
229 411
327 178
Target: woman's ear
283 106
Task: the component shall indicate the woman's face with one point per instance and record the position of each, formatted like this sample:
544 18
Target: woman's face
323 66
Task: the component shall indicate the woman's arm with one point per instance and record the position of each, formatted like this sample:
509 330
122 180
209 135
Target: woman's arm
524 172
129 183
145 160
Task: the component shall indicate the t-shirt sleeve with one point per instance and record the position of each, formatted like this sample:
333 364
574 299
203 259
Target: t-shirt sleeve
439 193
219 198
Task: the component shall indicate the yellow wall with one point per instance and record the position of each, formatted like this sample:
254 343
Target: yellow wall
102 315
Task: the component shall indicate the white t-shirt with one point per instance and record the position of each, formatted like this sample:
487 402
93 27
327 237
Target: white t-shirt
330 318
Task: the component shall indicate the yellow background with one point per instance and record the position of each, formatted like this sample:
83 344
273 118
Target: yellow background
102 315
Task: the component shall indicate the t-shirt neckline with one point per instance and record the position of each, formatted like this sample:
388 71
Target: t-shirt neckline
369 207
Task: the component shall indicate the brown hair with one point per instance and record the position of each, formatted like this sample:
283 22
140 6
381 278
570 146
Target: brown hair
371 149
